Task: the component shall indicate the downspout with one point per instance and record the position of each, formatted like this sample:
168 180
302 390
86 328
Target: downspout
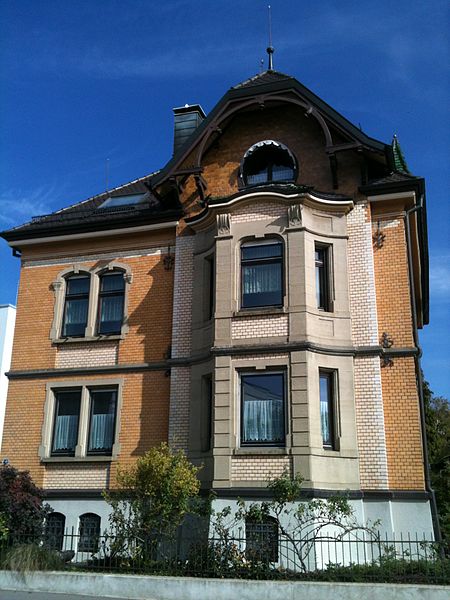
434 511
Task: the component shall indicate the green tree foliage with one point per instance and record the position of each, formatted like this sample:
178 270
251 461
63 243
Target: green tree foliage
154 494
22 510
437 416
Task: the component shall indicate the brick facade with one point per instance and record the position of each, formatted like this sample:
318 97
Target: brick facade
259 468
260 327
171 345
400 394
181 344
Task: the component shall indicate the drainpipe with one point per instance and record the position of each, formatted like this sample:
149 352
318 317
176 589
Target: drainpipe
434 511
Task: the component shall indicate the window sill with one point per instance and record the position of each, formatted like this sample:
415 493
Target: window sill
260 451
71 459
256 312
95 338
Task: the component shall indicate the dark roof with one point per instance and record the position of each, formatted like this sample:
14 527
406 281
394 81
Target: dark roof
88 214
394 177
270 82
262 79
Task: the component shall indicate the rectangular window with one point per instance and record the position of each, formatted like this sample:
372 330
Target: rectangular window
262 275
67 416
323 277
262 409
327 408
102 421
110 305
206 417
76 306
82 419
209 287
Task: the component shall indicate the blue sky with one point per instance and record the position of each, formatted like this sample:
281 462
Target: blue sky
82 81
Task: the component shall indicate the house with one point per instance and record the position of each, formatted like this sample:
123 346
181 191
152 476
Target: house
255 302
7 320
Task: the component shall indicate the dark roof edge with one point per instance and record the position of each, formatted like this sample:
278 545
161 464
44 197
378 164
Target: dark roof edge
287 84
17 236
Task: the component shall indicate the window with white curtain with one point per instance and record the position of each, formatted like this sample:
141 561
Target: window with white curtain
67 417
84 420
263 409
91 303
262 274
327 382
76 305
102 420
111 302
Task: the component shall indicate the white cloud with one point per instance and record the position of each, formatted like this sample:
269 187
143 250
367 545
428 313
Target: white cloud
440 276
18 206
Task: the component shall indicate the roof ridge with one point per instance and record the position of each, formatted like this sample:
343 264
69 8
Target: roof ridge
264 74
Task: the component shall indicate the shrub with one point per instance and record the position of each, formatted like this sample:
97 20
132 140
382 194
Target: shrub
22 510
31 557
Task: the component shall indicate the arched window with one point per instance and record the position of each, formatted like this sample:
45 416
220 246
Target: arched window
76 305
261 539
268 162
111 302
89 533
54 530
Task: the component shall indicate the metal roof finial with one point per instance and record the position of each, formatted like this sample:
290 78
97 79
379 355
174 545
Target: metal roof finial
270 49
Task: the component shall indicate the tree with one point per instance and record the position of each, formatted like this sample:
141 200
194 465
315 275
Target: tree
153 495
22 510
437 418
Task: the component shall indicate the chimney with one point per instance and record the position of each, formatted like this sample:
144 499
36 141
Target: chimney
186 120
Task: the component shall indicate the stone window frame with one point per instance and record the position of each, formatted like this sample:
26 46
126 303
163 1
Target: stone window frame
81 452
333 375
264 239
59 289
265 369
327 279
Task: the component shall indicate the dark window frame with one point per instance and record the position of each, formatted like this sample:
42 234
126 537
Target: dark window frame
262 540
331 377
257 151
207 412
245 262
54 532
91 390
270 444
110 294
88 541
323 277
210 283
56 393
81 296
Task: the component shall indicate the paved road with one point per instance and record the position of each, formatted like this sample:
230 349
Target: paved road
7 595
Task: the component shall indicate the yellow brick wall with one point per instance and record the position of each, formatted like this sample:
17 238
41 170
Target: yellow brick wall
144 421
400 395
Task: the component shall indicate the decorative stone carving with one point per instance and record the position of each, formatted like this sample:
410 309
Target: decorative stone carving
295 215
223 224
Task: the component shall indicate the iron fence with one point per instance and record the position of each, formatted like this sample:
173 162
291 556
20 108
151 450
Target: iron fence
376 558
